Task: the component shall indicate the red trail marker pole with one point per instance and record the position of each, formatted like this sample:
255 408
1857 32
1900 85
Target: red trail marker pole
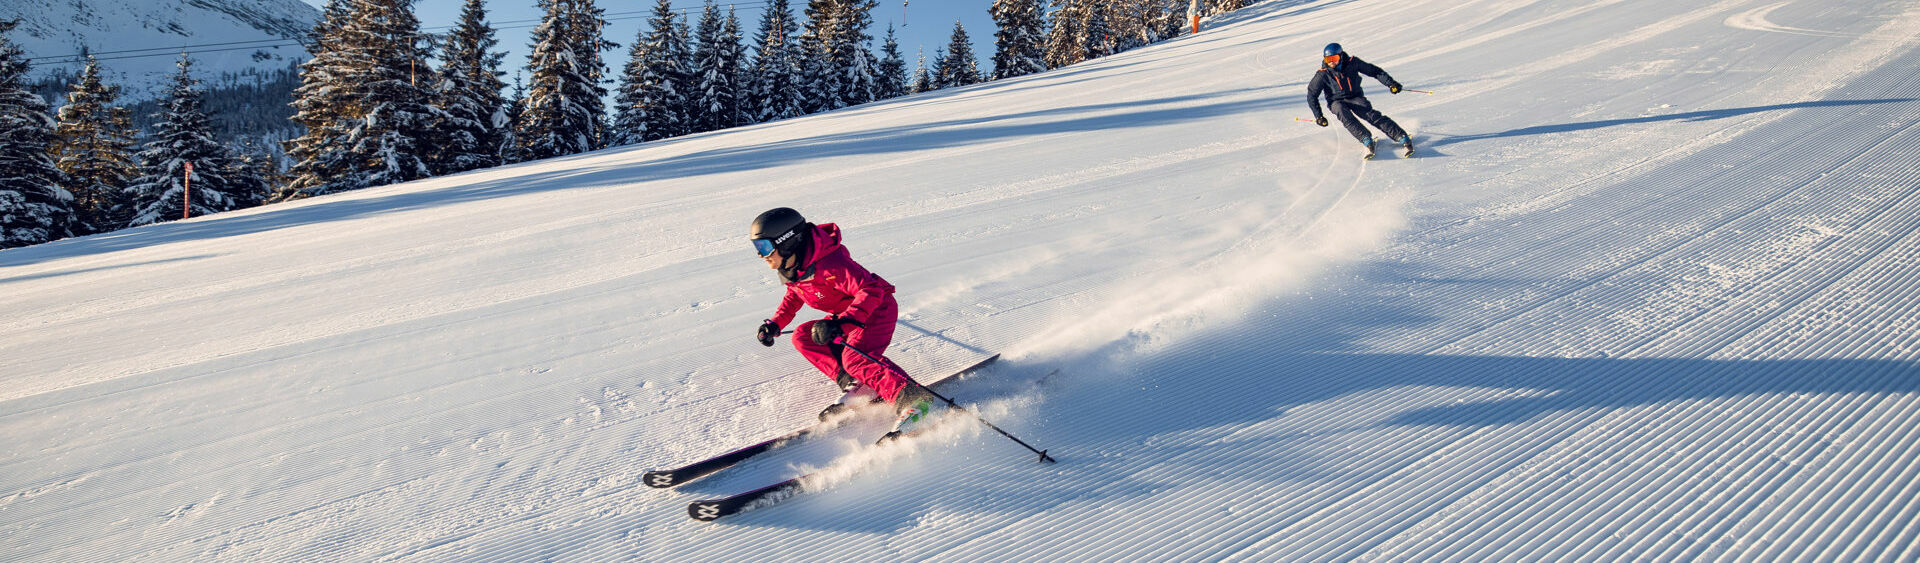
186 192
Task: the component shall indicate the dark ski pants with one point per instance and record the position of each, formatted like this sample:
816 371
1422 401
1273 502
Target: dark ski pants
1352 110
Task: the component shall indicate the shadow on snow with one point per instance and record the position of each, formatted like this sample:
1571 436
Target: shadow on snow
1703 115
869 142
1133 427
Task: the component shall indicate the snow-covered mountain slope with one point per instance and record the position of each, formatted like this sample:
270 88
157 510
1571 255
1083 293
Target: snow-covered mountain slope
138 43
1649 294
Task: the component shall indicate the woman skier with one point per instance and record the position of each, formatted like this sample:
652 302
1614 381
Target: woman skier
1339 79
861 314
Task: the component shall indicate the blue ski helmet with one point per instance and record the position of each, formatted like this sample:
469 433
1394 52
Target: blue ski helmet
1331 50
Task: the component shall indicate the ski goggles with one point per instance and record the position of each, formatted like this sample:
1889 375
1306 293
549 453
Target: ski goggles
763 246
1332 59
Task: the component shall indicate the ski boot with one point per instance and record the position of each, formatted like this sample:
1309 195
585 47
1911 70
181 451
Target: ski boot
915 409
1369 144
853 394
1406 142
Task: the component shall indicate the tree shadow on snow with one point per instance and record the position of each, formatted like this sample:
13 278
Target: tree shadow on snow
1271 10
55 274
1114 118
1224 405
1703 115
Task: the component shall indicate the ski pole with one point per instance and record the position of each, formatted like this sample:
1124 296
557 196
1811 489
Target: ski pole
956 406
1427 92
1303 119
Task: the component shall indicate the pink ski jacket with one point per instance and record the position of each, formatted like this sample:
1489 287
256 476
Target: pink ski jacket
832 282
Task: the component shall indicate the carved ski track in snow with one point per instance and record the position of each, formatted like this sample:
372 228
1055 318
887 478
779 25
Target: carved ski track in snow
1756 19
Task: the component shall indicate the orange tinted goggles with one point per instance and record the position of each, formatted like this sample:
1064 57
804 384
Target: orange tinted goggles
1332 59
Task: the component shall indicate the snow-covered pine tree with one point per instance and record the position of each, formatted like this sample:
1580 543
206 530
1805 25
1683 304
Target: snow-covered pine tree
630 106
325 104
1172 19
852 51
1224 6
1020 41
820 72
775 90
715 102
563 111
890 74
653 91
1067 40
510 149
922 80
93 147
389 144
1099 34
468 88
1127 20
958 67
589 41
1137 23
33 207
182 133
736 56
259 167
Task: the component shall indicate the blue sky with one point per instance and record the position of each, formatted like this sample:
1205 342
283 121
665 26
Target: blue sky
918 23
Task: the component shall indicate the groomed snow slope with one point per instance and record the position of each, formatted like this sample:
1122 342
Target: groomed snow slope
1649 293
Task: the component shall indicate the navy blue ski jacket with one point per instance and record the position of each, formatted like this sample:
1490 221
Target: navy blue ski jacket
1342 82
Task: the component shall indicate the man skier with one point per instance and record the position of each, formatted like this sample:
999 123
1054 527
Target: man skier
861 314
1339 80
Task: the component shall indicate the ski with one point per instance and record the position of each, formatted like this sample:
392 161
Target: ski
713 509
710 510
673 477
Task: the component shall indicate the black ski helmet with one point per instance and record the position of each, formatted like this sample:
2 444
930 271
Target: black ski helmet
782 228
1331 50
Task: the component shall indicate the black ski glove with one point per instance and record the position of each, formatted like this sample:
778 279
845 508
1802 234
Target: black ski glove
826 330
1321 121
768 333
1393 88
